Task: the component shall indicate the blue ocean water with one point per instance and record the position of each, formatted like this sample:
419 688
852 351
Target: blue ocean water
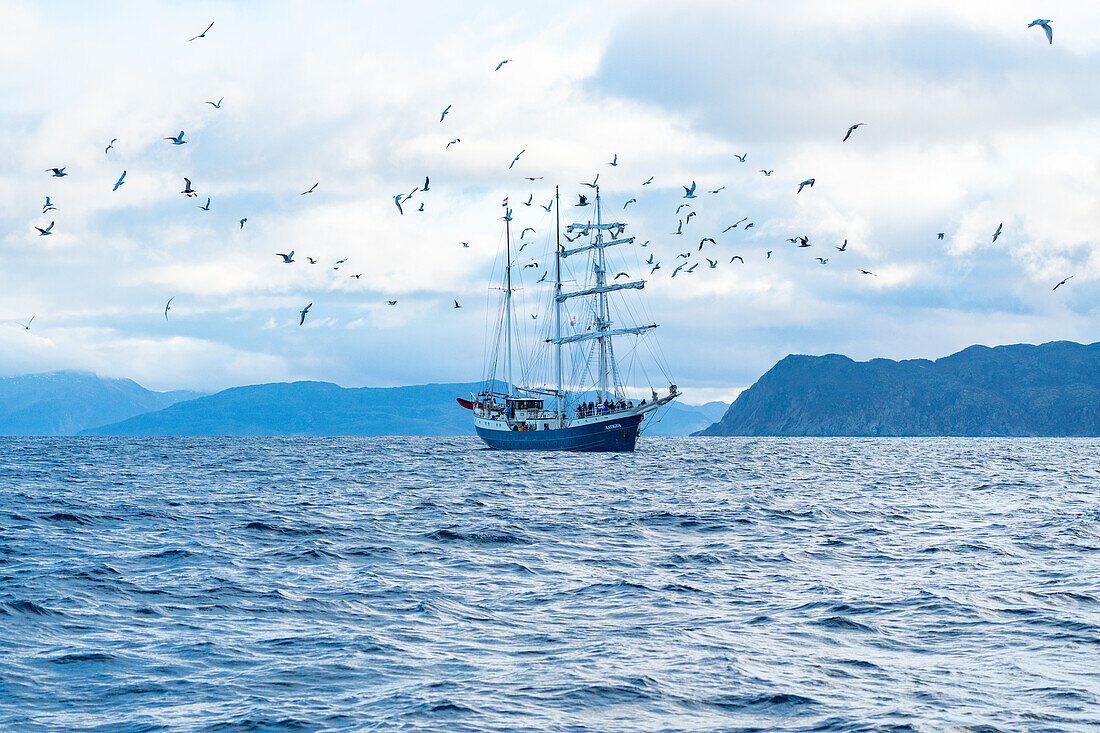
431 585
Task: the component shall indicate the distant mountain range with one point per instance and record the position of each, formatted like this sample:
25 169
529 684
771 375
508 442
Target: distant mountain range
64 403
1020 390
70 403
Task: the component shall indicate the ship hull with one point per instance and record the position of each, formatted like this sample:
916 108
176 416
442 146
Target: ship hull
616 434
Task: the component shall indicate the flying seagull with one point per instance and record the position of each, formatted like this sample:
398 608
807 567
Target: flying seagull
203 34
867 272
649 181
187 190
315 185
852 129
243 221
1046 28
530 198
397 202
551 205
689 193
456 140
466 245
706 239
207 207
767 173
734 226
457 305
681 206
110 145
543 278
655 268
738 257
939 235
178 139
843 247
804 242
692 268
1062 283
311 260
502 63
680 228
685 255
583 200
303 312
48 206
650 260
769 256
998 232
26 326
750 225
119 182
167 307
823 260
593 184
688 217
391 302
532 178
741 157
57 172
216 105
444 113
516 158
678 269
712 263
43 232
287 259
621 274
808 182
716 190
614 159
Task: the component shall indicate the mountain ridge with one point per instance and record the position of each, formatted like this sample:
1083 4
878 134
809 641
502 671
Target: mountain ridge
1050 389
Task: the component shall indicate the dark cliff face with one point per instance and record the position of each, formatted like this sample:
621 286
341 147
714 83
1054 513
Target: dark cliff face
1048 390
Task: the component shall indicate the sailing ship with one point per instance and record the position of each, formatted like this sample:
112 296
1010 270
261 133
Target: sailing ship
582 407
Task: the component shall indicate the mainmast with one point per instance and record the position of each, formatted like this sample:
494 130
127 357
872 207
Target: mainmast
508 297
557 301
602 315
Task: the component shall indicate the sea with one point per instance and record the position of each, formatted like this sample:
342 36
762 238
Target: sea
429 584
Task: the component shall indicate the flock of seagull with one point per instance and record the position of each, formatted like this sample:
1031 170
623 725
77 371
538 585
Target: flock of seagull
401 200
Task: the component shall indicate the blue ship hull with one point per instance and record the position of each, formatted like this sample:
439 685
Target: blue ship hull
616 434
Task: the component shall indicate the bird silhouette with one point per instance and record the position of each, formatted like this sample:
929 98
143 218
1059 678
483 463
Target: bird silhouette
649 181
767 173
525 230
808 182
867 272
998 232
502 63
583 200
444 113
110 145
203 34
741 157
303 314
689 193
243 221
187 190
1062 283
457 305
177 140
119 182
939 235
530 198
167 307
823 260
738 257
391 302
852 129
1045 25
216 105
712 264
48 206
26 326
43 232
456 140
207 207
629 202
315 185
614 160
594 182
57 172
548 206
843 247
287 258
516 158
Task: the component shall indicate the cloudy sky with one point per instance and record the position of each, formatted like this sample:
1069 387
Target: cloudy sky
972 120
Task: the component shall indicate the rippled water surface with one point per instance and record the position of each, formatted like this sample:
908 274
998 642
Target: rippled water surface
427 584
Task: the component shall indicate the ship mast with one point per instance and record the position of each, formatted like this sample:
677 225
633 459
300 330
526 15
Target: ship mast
557 301
508 297
602 316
